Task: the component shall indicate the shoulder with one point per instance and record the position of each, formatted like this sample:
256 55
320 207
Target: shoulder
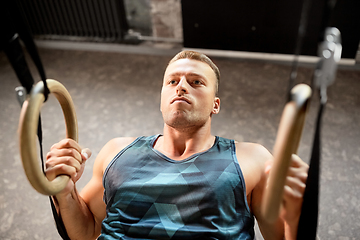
253 159
253 152
119 143
109 151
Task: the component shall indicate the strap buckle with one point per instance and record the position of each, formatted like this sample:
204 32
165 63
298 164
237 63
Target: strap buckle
21 94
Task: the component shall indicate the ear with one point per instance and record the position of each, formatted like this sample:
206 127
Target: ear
216 106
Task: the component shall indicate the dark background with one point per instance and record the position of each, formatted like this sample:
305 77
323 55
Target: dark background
266 26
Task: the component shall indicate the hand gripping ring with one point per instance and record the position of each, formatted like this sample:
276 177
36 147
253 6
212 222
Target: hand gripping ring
29 119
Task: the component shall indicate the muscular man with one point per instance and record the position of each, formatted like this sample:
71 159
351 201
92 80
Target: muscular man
183 184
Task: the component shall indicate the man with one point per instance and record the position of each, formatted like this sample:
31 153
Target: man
184 184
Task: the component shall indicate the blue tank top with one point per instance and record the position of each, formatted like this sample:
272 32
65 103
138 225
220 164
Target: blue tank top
150 196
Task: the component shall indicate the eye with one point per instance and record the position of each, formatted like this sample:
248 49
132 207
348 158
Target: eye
172 82
196 82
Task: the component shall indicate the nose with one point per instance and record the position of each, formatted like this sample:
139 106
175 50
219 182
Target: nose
182 86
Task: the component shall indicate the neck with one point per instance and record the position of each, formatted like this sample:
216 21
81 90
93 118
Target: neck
179 144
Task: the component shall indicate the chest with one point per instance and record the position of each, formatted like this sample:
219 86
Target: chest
162 181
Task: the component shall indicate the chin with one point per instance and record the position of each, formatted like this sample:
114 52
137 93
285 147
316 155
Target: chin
184 123
178 123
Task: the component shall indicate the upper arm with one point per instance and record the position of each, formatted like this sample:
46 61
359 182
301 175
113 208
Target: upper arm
253 159
93 192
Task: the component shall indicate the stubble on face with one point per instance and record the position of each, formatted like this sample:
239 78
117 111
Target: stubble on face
184 121
197 113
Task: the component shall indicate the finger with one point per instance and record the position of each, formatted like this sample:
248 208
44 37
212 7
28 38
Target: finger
300 173
296 161
64 152
296 186
66 160
291 195
61 169
86 154
67 143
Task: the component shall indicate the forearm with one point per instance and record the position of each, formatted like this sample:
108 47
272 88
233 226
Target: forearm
78 220
291 230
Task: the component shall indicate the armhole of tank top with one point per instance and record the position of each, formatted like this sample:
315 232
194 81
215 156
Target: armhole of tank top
237 165
116 157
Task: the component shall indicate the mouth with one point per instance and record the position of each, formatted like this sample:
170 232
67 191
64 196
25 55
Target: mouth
180 99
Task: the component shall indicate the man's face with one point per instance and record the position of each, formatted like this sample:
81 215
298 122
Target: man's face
188 94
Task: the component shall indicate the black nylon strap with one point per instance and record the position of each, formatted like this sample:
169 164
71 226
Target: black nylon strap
16 57
13 27
58 221
309 214
308 222
297 51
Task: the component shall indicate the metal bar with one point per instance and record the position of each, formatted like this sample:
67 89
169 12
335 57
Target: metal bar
60 18
98 19
53 13
96 31
75 15
118 32
70 15
67 23
89 25
49 17
122 18
38 27
43 18
102 13
111 19
82 21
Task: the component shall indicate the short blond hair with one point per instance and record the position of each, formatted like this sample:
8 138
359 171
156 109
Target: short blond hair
202 58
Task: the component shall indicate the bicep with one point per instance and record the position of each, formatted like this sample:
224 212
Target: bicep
253 160
269 230
92 194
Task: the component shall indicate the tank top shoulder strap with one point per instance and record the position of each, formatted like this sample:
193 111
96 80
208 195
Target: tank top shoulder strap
138 141
229 143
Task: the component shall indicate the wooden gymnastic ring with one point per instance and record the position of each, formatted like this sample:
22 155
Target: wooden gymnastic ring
286 144
28 124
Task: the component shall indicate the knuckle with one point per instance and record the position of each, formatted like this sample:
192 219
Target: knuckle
66 142
70 152
49 163
68 160
48 155
62 167
75 153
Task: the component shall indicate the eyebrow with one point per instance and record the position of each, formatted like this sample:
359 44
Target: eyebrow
187 74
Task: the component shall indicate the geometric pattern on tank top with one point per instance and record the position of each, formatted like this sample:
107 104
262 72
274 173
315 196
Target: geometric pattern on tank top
150 196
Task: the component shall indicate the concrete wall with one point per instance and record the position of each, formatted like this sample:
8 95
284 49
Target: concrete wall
166 18
155 18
